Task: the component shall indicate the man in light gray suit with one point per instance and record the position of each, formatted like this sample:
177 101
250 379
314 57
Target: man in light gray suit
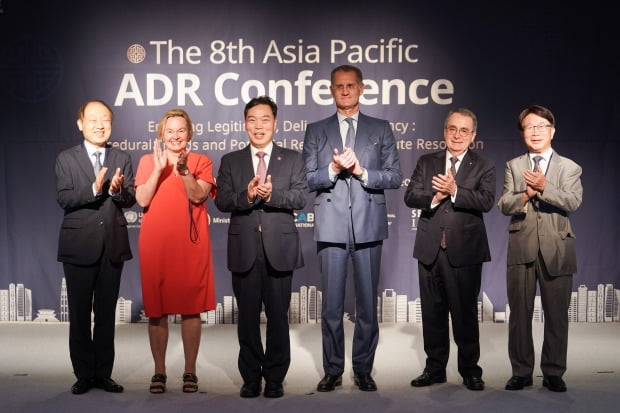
541 189
350 160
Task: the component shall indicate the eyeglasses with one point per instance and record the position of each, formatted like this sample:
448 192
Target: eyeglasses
453 130
539 128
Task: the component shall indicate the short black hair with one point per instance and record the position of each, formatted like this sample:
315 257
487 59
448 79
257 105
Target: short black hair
261 100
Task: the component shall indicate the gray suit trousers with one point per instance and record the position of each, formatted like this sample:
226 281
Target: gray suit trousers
555 293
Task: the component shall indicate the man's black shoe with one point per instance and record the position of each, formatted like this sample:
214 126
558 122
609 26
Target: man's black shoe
273 390
250 389
554 383
329 382
518 382
473 382
426 379
365 382
82 386
108 385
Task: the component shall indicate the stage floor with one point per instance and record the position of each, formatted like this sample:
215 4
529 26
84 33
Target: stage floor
35 374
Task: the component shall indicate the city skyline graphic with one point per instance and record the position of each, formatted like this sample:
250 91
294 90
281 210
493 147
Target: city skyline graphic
592 306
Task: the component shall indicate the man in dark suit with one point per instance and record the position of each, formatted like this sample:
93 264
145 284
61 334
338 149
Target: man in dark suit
263 244
94 182
541 189
452 188
350 160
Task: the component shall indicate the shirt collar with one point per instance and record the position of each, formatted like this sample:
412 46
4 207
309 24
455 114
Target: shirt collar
460 157
91 149
267 149
341 117
546 155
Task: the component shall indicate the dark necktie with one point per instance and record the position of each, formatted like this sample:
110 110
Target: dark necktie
261 170
454 160
350 139
97 166
537 160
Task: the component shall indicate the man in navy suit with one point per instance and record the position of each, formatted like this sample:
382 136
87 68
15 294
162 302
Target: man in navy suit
351 159
452 188
94 182
263 244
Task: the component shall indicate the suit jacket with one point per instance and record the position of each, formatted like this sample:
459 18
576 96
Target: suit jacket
376 151
275 218
90 222
544 227
462 221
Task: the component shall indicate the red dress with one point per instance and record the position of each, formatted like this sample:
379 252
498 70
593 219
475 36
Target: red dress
176 262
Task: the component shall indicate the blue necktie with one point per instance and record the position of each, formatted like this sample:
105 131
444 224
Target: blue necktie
350 138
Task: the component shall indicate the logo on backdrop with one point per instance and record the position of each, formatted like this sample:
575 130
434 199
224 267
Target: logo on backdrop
136 53
304 219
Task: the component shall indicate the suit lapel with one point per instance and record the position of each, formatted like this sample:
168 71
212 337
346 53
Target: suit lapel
84 162
523 164
553 167
439 163
467 164
246 164
275 162
332 130
362 135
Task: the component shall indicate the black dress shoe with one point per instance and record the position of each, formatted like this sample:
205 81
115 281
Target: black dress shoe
82 386
426 379
554 383
473 383
329 382
108 385
273 390
365 382
250 389
518 382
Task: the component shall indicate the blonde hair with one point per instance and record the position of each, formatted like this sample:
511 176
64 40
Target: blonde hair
171 114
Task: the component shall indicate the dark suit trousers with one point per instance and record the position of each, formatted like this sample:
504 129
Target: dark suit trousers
263 285
334 260
555 293
444 291
92 289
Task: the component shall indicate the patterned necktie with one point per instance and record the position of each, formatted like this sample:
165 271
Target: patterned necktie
97 166
454 160
350 139
537 160
261 171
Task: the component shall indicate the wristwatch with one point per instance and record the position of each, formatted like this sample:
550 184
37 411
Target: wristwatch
184 172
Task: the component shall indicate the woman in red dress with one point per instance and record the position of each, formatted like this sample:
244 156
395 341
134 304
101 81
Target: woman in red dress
172 185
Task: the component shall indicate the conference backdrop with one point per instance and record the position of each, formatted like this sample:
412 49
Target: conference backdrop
419 59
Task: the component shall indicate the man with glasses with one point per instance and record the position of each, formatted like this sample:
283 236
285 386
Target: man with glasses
541 189
452 188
